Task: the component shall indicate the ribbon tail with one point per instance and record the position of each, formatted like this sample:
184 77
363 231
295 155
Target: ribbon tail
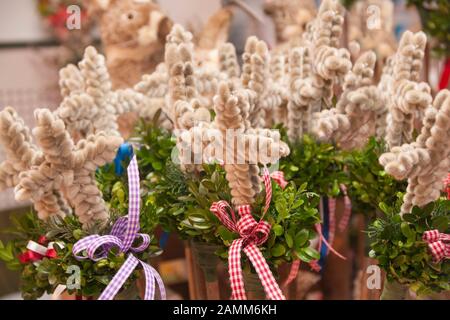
149 282
150 275
119 279
268 281
235 271
60 288
322 238
343 223
292 273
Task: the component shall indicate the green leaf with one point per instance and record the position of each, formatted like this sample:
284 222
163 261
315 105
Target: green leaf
408 217
278 250
196 218
5 255
157 165
440 223
301 238
225 234
289 240
281 207
278 230
202 226
311 252
406 230
384 207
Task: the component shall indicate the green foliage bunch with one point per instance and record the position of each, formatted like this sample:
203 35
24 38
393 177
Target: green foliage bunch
397 243
320 165
369 184
435 22
43 276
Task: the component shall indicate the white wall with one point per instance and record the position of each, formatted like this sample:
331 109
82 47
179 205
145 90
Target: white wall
20 22
186 12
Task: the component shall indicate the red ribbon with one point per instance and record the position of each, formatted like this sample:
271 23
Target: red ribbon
278 177
447 186
445 76
295 267
36 251
345 219
437 243
322 239
252 234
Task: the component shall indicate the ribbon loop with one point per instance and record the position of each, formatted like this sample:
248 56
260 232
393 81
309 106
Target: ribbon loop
222 210
123 235
437 244
278 177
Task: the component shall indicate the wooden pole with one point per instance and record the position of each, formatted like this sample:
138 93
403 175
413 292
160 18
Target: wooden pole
337 274
190 271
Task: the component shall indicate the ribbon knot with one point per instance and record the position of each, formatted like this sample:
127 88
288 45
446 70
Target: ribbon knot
123 235
252 234
250 230
437 243
37 251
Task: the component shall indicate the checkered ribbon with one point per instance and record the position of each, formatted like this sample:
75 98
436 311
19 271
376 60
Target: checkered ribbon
123 235
343 223
252 234
345 219
278 177
323 240
438 244
295 267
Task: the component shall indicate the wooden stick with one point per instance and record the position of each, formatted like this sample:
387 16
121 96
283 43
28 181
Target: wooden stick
200 282
190 271
337 285
213 290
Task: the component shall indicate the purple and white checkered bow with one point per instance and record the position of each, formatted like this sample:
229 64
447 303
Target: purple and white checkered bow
123 234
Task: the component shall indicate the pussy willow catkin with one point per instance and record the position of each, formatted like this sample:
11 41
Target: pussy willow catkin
425 161
406 95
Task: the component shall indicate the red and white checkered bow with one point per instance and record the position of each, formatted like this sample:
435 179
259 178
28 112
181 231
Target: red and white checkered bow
437 244
252 234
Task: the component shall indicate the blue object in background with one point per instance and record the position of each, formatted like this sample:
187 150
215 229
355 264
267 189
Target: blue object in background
163 240
399 29
325 231
125 152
